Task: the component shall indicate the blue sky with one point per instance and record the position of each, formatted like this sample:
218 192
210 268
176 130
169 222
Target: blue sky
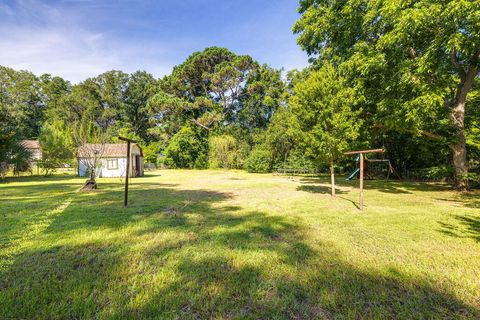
77 39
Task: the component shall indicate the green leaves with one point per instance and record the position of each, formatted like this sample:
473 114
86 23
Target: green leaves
412 62
13 153
57 146
21 102
399 49
324 105
187 149
209 84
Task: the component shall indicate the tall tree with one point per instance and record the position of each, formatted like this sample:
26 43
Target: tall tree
414 61
53 92
111 87
206 87
263 93
100 99
323 106
21 103
141 86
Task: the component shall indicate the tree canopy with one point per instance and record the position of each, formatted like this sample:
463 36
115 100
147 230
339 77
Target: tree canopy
413 62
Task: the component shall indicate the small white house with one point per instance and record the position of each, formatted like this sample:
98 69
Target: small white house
112 160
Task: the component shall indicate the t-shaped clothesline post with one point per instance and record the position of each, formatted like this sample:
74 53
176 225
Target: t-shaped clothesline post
125 200
361 153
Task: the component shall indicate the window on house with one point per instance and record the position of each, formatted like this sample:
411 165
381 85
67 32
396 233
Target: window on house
112 164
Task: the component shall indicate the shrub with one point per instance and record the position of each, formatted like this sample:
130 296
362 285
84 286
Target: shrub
298 160
201 162
243 151
442 173
13 154
57 148
258 161
150 152
187 149
222 152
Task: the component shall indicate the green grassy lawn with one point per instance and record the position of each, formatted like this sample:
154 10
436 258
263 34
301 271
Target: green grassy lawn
233 245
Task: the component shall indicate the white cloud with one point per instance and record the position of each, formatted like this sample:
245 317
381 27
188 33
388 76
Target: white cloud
44 39
77 39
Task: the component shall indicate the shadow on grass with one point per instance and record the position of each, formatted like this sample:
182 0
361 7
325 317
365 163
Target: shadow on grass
38 178
390 186
38 191
104 209
466 227
319 189
209 260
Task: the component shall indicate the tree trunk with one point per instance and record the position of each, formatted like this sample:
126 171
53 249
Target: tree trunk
93 170
460 162
332 177
459 148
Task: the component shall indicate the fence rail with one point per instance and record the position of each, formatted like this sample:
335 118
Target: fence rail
295 171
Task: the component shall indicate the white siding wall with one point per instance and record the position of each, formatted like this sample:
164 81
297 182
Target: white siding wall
113 173
103 171
82 168
36 154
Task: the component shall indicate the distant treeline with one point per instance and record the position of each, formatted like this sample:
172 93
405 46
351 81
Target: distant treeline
375 81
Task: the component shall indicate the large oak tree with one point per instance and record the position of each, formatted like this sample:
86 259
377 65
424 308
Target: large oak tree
414 61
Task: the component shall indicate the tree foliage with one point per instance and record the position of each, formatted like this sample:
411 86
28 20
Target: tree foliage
323 106
57 147
258 161
13 154
224 152
188 148
206 88
413 62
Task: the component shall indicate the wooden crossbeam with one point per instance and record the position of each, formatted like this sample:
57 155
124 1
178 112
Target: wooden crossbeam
364 151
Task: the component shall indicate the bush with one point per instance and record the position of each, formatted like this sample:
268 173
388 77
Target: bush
13 153
150 152
187 149
201 162
298 160
243 151
258 161
222 152
57 147
443 173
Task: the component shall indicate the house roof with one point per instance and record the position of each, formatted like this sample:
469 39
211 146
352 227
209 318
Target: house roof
31 144
105 150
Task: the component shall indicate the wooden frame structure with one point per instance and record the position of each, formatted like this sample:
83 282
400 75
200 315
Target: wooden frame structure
361 154
129 141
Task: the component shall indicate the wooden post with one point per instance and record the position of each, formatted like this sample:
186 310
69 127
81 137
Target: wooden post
125 200
332 178
361 153
361 181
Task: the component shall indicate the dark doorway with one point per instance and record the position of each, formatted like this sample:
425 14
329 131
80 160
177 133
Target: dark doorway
137 166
